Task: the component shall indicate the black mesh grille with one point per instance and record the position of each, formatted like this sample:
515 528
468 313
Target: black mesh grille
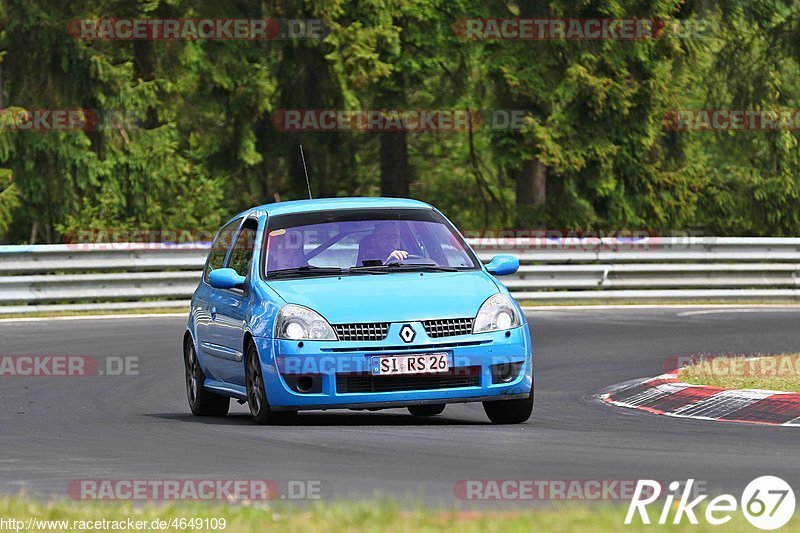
468 376
362 332
449 327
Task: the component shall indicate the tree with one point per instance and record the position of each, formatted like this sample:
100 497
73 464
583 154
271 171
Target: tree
592 151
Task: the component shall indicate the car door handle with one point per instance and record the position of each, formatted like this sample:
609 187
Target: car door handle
213 313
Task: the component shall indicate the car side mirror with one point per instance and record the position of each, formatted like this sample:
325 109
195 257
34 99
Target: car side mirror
503 265
226 278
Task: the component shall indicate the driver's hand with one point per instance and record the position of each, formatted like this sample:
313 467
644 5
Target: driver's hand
397 255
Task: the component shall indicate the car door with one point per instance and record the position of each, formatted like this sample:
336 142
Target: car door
205 302
231 306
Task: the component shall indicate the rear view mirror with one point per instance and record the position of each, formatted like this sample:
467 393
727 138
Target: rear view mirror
503 265
225 278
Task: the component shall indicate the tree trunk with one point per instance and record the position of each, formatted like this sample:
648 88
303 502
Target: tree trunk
394 163
144 68
532 176
394 144
532 184
327 178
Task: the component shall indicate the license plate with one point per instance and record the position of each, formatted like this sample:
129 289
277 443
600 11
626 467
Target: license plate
421 363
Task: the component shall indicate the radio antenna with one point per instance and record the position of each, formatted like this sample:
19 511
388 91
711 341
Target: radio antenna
305 171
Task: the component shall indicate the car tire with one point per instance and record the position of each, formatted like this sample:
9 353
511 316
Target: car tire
509 411
426 410
201 401
257 394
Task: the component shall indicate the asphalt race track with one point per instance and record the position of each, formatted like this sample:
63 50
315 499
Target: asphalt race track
54 430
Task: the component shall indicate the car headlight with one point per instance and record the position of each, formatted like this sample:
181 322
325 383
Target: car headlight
496 314
296 322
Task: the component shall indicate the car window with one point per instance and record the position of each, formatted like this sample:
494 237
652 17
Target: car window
219 250
242 252
447 250
345 240
343 254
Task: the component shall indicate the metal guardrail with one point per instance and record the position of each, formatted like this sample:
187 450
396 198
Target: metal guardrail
136 276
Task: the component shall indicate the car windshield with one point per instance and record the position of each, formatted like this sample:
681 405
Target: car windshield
363 241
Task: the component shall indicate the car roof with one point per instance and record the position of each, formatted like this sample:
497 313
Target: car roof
331 204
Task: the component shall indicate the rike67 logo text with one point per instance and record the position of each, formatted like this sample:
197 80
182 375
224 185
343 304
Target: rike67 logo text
767 502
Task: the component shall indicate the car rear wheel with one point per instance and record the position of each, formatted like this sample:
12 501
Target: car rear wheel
201 401
257 394
509 411
426 410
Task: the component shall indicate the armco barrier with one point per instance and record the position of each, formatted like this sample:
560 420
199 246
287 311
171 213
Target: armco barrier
130 276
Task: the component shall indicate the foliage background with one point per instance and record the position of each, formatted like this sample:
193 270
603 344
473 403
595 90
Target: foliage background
593 155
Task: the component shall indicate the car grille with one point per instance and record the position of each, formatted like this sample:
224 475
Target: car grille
362 332
468 376
449 327
450 344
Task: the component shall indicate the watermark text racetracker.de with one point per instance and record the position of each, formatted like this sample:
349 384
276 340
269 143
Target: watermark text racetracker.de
596 240
322 364
232 490
50 120
120 239
580 29
44 365
445 120
547 489
183 29
183 523
732 120
737 366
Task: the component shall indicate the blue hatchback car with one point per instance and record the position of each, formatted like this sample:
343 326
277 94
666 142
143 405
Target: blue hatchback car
357 303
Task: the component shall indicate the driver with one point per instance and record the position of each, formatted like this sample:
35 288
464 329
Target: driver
384 244
285 251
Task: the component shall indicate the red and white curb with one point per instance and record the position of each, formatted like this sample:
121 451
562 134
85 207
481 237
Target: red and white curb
666 395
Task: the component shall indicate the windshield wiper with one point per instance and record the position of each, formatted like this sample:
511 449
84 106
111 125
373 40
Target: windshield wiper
308 269
403 266
378 269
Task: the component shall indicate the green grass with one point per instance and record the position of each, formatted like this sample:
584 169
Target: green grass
365 516
776 372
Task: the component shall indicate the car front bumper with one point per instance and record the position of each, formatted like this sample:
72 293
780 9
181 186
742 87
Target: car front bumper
341 370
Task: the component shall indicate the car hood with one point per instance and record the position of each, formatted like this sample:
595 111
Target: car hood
395 297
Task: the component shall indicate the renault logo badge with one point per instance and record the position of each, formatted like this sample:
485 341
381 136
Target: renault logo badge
407 333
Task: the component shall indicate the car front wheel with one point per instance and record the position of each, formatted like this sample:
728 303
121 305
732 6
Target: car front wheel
201 401
257 395
509 411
